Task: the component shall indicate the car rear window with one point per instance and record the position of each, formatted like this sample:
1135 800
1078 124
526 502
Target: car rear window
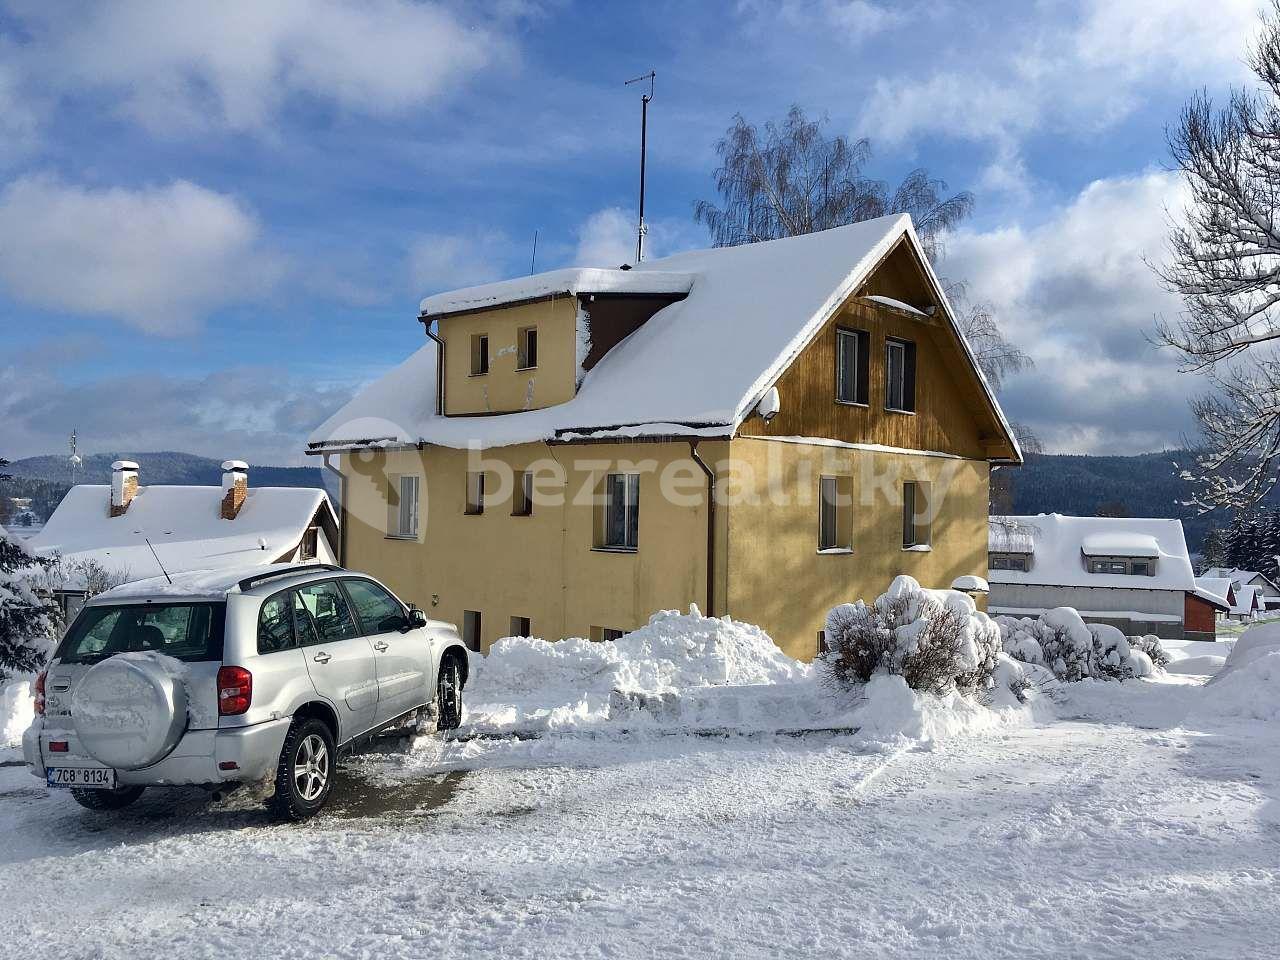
184 631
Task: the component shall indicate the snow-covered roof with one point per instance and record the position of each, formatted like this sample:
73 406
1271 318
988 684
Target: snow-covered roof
570 282
184 525
697 367
1004 535
1216 590
1060 551
1242 577
1248 596
1119 543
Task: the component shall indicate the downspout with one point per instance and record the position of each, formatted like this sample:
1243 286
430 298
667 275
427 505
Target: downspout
426 325
342 509
711 527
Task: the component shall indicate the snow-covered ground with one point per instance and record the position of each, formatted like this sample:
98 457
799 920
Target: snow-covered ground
1128 820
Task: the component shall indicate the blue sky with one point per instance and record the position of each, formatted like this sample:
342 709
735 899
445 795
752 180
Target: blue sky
216 220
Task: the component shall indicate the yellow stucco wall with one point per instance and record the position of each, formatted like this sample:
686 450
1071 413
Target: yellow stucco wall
542 566
776 576
504 388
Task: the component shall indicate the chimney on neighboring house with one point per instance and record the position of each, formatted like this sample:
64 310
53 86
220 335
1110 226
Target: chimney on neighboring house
124 484
235 487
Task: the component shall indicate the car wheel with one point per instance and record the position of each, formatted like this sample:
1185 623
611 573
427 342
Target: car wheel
116 799
304 775
449 695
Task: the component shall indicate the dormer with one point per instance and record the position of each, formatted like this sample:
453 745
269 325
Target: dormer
526 344
1120 552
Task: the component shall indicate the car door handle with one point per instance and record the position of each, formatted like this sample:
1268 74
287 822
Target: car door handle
321 657
381 646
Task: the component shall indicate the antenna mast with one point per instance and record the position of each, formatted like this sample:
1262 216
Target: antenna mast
147 541
644 130
73 461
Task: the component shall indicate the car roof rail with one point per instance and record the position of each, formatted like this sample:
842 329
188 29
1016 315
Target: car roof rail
250 582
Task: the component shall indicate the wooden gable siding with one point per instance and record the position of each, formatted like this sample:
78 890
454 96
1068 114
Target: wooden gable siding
944 420
952 414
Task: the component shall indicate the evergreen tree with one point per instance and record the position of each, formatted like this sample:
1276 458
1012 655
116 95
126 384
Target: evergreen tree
1213 551
29 622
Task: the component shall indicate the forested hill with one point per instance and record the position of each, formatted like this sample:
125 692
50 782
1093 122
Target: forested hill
164 467
1146 485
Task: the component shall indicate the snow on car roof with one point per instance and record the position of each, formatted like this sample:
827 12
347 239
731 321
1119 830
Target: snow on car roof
183 524
1060 551
213 584
697 367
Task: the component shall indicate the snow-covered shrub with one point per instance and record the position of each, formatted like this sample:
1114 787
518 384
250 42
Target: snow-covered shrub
1074 650
1151 646
936 640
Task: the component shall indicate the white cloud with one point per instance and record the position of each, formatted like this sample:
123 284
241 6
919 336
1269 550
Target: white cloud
607 238
181 66
859 19
1082 75
441 261
158 258
1076 294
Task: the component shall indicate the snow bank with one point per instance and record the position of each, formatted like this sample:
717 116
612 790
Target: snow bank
17 710
1248 691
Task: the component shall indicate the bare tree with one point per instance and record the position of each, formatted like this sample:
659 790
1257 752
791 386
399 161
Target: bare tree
791 178
1225 265
996 356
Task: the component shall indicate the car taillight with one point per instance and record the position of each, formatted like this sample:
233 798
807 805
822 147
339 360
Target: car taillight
40 678
235 690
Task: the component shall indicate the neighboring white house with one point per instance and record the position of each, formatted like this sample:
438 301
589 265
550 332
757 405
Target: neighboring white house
103 530
1133 573
1268 592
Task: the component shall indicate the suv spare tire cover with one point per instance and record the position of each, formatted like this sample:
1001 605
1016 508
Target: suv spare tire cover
130 710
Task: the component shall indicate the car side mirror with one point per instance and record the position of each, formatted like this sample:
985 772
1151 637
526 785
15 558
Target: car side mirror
416 618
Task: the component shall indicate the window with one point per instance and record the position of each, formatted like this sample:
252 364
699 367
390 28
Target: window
900 375
1121 565
324 605
852 365
522 495
621 512
835 514
479 354
275 623
606 634
376 610
915 514
185 631
1140 568
526 348
520 627
310 541
475 493
402 508
822 642
471 629
1007 561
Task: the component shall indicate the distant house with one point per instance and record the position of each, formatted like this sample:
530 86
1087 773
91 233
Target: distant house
101 532
1268 592
1132 573
1212 597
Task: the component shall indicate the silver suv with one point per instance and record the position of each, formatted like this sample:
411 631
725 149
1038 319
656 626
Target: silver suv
222 680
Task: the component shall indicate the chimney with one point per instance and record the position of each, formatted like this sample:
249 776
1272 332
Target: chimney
124 484
235 487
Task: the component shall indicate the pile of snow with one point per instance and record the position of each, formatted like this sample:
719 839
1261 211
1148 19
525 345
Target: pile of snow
532 683
1074 650
17 710
1247 686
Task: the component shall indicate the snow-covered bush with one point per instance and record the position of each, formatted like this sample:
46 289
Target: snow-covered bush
936 640
29 619
1151 646
1061 641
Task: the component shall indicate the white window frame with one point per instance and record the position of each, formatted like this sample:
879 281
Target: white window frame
402 516
630 512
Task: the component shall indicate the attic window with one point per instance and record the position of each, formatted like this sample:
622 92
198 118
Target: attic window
900 375
479 354
1123 566
853 355
1008 561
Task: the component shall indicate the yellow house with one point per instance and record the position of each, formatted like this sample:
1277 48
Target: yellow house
764 430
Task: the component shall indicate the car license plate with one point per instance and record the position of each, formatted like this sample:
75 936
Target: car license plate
89 778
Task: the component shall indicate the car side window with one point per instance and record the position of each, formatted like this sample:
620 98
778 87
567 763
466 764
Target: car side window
329 611
377 610
303 628
275 624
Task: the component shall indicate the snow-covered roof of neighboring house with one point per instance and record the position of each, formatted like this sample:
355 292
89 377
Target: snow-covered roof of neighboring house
697 367
184 525
1058 545
1248 598
1217 590
1119 543
1241 577
1006 535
